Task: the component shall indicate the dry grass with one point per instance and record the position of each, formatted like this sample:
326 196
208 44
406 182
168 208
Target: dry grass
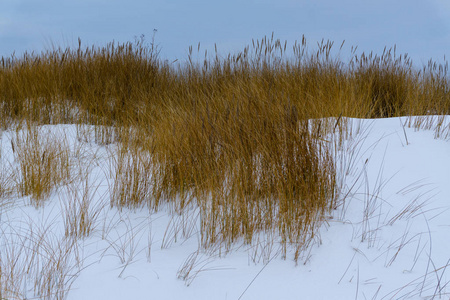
6 176
244 138
132 185
43 162
36 260
80 208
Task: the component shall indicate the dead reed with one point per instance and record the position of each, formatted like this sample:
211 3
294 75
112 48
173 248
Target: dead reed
244 138
43 162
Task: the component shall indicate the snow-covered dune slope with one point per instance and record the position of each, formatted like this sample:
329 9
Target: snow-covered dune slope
389 238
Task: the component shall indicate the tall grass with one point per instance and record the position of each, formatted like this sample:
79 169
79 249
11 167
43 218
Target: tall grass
6 174
43 163
34 260
242 137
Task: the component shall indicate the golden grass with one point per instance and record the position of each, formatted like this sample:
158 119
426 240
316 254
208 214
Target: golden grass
80 211
6 177
244 138
32 254
43 162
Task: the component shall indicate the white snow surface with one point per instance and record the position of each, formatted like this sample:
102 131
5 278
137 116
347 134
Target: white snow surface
366 248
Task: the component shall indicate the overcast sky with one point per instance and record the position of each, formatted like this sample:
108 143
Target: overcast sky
420 28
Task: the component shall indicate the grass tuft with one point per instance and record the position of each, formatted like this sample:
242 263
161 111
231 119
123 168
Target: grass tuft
249 140
43 162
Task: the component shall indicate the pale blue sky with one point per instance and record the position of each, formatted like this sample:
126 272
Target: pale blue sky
419 27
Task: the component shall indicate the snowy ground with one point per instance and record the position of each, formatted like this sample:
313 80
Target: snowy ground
389 238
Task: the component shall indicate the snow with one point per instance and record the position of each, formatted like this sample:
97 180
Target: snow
389 238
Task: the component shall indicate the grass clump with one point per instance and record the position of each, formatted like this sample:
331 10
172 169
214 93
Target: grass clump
43 163
132 186
6 176
244 138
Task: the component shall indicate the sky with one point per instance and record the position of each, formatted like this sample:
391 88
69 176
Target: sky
419 28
